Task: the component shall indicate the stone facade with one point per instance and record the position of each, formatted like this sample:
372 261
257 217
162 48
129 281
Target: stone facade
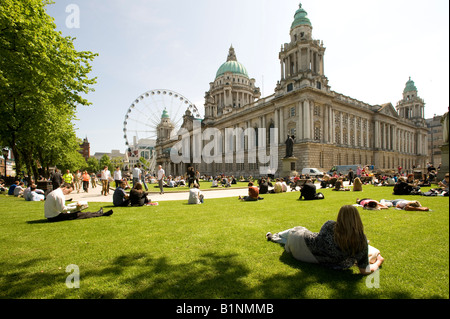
330 128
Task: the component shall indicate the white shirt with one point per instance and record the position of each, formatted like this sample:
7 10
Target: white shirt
117 175
18 190
136 172
161 174
194 196
55 204
106 174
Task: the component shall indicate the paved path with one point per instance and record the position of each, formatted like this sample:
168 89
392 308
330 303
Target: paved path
94 195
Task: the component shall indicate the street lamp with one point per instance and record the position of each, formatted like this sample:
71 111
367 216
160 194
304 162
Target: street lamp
5 153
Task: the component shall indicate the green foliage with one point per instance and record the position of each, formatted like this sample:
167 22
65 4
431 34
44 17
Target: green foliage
218 250
42 81
93 165
105 161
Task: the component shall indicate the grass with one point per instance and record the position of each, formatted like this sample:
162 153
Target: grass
218 250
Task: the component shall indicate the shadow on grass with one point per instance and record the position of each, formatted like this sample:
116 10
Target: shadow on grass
210 276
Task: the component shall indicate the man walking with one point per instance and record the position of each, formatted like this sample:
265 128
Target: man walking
136 174
161 175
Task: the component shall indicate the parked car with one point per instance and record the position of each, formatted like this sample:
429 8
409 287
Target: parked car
312 172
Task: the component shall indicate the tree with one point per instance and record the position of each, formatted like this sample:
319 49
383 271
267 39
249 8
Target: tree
42 80
106 161
93 165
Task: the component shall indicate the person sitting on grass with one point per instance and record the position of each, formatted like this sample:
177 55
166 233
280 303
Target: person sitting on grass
120 197
263 187
308 191
195 195
339 185
55 209
253 193
357 185
137 196
339 245
444 184
33 194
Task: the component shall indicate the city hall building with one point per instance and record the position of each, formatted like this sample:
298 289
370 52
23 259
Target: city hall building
329 128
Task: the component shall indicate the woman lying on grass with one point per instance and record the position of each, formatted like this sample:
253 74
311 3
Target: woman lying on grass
339 244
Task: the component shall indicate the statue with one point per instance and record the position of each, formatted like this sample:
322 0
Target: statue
289 146
445 126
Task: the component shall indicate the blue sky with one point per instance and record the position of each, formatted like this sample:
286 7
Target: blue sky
372 48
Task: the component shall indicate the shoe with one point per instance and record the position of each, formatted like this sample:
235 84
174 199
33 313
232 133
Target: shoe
269 236
108 213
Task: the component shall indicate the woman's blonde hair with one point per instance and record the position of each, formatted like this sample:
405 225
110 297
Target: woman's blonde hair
415 203
349 230
357 185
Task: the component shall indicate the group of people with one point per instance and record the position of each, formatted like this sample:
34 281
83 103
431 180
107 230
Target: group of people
136 197
18 189
79 180
339 244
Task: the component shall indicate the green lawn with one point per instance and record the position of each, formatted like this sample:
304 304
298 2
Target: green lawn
218 250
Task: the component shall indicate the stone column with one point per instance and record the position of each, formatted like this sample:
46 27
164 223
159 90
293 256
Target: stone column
300 119
326 124
306 120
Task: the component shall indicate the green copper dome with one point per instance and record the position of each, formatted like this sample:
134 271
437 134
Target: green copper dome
300 18
232 65
165 115
410 86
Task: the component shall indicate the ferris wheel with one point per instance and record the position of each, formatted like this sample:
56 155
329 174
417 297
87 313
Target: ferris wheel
144 115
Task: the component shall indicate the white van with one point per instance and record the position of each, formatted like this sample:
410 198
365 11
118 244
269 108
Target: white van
312 172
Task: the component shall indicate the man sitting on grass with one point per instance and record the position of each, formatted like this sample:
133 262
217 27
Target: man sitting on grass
120 197
56 210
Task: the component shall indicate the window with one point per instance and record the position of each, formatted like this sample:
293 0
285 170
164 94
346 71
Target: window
317 132
319 85
292 131
290 87
292 112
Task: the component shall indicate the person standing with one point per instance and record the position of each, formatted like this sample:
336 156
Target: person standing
117 176
136 174
77 180
68 178
351 176
86 178
106 175
160 177
93 180
56 179
143 176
